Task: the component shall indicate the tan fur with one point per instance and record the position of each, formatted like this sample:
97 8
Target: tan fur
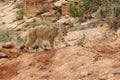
40 34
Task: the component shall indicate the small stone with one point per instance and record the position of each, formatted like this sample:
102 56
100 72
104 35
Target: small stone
8 45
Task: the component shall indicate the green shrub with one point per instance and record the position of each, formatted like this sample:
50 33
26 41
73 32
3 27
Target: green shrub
18 4
108 10
54 0
35 23
29 16
46 22
83 7
73 9
6 35
110 13
20 14
41 10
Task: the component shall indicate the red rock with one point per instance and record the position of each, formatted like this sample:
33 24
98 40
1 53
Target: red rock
8 45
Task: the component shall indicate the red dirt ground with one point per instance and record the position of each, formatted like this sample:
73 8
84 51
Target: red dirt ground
91 61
